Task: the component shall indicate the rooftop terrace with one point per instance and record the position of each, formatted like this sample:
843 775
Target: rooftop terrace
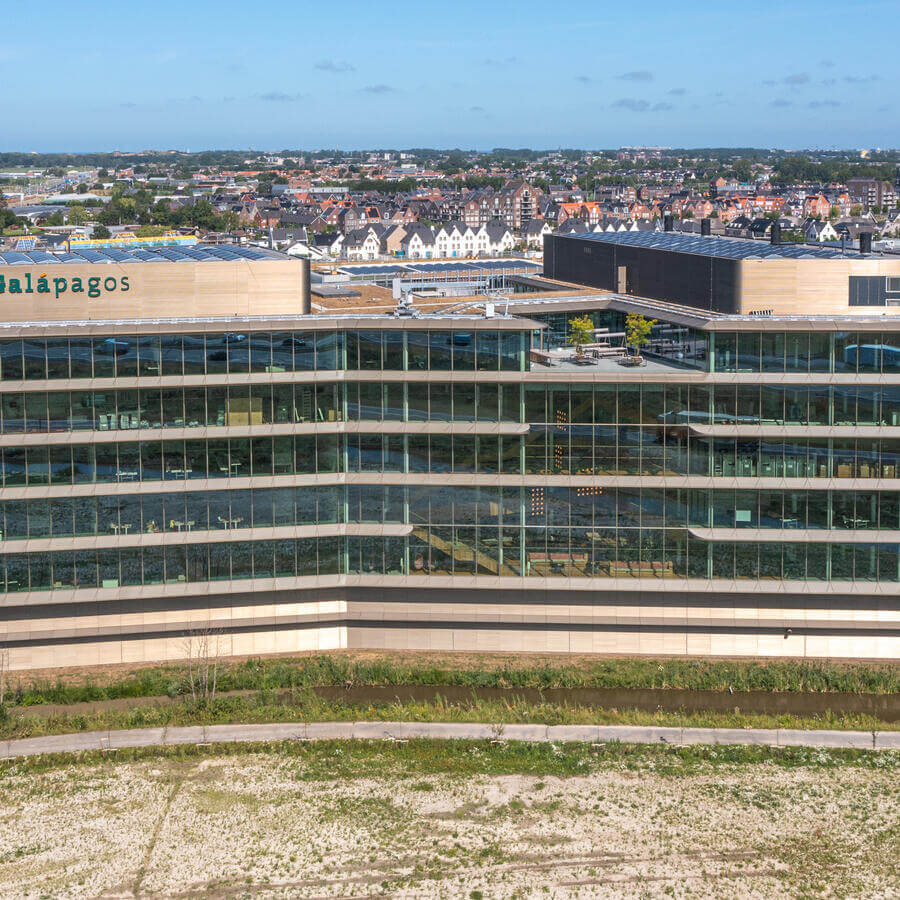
610 365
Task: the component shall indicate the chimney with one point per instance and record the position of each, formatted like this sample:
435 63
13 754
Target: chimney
865 242
705 227
775 233
668 222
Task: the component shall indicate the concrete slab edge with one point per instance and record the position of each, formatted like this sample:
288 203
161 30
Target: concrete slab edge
110 741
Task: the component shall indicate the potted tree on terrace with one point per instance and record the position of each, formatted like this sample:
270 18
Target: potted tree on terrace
581 332
637 335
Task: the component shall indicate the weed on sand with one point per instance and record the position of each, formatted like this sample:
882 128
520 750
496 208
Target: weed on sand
453 819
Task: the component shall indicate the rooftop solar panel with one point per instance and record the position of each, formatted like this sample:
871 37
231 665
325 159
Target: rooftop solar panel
722 248
142 254
15 258
251 253
42 258
374 270
433 267
121 255
92 256
173 255
107 255
221 253
199 255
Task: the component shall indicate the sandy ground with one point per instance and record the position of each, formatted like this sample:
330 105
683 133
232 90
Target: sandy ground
254 825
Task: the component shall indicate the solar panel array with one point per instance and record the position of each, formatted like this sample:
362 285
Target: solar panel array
373 270
484 265
227 252
722 248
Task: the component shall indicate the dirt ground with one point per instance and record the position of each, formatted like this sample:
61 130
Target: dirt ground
254 825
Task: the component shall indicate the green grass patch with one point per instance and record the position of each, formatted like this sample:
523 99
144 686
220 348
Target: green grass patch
332 760
265 707
339 669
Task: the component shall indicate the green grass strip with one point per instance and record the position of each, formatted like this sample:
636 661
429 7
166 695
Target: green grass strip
472 671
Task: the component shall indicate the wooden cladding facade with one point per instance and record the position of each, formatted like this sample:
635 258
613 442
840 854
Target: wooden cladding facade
152 290
809 287
716 284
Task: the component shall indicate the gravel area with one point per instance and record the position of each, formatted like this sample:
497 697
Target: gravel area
258 825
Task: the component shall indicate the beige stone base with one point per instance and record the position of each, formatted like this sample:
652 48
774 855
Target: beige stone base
135 630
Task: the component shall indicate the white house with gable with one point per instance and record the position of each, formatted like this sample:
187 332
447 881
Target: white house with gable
454 239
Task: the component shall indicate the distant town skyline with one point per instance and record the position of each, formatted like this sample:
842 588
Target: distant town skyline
478 76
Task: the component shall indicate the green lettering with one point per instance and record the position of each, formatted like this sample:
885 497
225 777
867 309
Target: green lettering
2 284
14 286
93 287
109 284
60 285
124 284
43 286
28 289
77 286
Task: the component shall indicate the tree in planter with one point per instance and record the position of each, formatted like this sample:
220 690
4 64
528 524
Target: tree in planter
637 331
581 332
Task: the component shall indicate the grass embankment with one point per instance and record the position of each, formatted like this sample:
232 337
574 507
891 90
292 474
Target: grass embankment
305 706
282 690
469 670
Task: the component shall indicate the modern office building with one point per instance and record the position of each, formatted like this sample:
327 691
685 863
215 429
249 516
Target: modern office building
185 449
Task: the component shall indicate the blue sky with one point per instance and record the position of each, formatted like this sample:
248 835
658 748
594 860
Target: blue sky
101 76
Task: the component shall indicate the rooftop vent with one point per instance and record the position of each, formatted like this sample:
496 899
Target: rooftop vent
405 309
705 227
865 242
775 234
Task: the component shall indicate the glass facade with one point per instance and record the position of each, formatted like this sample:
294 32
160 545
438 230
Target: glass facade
678 345
544 450
585 532
503 424
670 404
235 352
799 351
745 351
306 505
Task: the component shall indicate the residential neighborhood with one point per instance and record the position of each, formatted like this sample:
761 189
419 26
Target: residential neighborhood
377 205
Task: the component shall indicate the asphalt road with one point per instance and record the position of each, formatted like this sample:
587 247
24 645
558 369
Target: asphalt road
313 731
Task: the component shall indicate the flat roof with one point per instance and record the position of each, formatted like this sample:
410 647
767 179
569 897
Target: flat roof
706 320
277 322
718 247
197 253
